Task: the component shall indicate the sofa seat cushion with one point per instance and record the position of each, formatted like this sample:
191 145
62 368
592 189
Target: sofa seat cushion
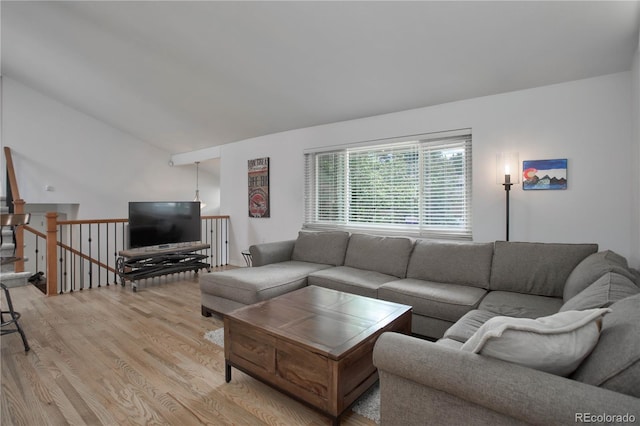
350 280
448 262
252 285
466 326
520 305
535 268
592 268
321 247
614 363
606 290
444 301
387 255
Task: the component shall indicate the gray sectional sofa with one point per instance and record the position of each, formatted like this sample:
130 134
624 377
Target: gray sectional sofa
455 289
442 281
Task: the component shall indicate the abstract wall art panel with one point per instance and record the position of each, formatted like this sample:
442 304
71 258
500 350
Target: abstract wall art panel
259 188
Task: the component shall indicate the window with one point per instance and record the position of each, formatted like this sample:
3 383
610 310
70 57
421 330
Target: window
420 186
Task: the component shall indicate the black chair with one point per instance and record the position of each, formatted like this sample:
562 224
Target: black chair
15 316
12 220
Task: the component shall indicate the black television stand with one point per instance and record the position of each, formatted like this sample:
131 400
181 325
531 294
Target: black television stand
138 264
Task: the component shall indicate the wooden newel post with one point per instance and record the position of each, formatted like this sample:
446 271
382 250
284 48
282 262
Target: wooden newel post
52 261
18 207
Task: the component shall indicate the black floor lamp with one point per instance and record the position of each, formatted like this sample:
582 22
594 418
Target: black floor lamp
507 174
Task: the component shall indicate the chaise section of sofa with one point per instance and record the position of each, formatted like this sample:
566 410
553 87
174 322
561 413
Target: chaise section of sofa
279 268
224 291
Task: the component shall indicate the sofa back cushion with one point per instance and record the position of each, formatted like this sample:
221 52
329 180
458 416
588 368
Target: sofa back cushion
535 268
605 291
387 255
592 268
451 263
321 247
615 361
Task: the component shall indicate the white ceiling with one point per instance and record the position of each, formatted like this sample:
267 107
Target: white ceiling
190 75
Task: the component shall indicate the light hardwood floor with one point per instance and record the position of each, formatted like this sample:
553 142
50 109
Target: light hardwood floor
109 356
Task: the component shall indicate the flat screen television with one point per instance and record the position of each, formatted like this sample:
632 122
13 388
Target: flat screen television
155 223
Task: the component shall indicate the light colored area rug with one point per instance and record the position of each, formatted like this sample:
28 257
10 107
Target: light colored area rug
216 337
368 405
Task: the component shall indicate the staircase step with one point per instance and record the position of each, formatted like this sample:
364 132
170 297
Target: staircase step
6 249
15 279
7 265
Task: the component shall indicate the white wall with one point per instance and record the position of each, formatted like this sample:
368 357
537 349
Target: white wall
88 162
589 122
635 195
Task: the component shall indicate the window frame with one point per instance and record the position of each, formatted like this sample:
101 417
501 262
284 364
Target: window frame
424 143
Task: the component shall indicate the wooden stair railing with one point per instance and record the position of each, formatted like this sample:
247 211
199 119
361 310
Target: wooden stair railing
18 207
66 261
53 244
71 256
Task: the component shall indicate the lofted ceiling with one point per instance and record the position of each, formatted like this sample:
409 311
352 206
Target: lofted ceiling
185 75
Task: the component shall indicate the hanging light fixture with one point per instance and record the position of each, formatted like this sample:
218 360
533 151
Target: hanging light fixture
202 203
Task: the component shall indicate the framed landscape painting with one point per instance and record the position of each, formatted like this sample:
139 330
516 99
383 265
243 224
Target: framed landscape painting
544 174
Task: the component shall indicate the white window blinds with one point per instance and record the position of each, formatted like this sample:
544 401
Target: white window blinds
446 182
420 186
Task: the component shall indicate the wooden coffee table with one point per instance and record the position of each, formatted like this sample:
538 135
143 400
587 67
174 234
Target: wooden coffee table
313 344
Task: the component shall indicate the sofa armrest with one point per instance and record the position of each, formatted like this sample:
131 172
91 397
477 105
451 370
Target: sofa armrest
447 384
266 253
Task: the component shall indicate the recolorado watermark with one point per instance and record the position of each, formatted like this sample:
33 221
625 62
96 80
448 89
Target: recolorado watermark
604 418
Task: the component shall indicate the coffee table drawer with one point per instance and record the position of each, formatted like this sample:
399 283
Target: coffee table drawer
296 370
306 370
255 349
